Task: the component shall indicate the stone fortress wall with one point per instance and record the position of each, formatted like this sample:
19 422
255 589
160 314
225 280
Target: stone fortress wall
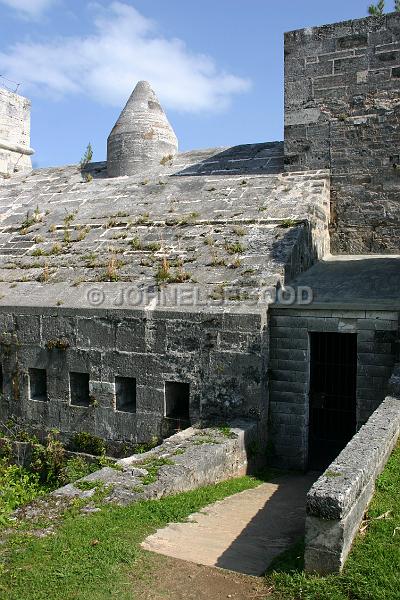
290 328
15 126
337 502
109 372
342 112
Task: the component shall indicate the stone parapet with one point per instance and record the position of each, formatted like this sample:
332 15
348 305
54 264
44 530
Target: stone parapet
337 501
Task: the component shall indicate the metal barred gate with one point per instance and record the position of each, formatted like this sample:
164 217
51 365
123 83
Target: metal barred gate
332 396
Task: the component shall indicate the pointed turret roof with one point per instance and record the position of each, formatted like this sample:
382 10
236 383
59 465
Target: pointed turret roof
142 135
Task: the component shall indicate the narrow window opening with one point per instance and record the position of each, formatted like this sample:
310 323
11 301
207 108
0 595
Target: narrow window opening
177 396
125 394
38 385
79 389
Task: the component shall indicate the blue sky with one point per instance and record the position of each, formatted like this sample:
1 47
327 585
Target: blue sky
217 66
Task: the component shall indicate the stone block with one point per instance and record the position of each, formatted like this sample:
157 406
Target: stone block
131 335
28 329
93 333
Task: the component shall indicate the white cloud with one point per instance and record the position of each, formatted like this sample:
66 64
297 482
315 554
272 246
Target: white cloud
29 8
124 48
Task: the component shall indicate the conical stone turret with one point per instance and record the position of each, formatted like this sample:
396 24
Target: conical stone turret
142 137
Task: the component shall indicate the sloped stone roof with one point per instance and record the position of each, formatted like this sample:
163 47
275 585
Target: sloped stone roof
208 218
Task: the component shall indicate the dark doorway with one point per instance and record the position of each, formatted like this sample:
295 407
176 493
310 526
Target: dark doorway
177 398
333 385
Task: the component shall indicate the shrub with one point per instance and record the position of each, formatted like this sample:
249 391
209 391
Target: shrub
48 460
77 467
86 442
18 487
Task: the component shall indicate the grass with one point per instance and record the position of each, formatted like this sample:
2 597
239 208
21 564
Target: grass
164 274
99 556
153 467
371 572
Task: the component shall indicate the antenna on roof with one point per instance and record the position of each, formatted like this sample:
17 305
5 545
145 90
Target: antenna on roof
5 85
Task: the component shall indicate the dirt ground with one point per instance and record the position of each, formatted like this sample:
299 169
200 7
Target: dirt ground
173 579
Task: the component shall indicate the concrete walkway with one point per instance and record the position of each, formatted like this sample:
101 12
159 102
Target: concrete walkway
242 533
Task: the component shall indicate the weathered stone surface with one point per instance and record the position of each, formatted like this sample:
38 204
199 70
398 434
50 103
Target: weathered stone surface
337 501
342 113
339 286
142 136
15 126
228 236
193 458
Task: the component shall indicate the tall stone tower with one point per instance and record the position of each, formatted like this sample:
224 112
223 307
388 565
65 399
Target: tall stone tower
15 125
342 112
142 136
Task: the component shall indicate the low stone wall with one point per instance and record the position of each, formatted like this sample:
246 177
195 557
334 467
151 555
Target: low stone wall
21 453
337 501
189 459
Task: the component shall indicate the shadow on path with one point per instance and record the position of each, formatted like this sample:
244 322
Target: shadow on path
276 526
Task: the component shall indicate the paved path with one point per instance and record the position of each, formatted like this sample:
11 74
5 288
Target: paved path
243 532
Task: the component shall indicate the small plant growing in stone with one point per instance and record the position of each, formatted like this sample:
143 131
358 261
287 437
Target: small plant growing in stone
181 275
166 159
143 219
190 218
38 252
39 239
218 261
93 402
86 486
153 246
31 219
112 222
69 217
136 243
55 249
240 231
45 274
234 248
91 260
153 466
218 293
226 431
235 264
82 233
58 344
287 223
77 282
87 157
164 271
332 474
111 273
